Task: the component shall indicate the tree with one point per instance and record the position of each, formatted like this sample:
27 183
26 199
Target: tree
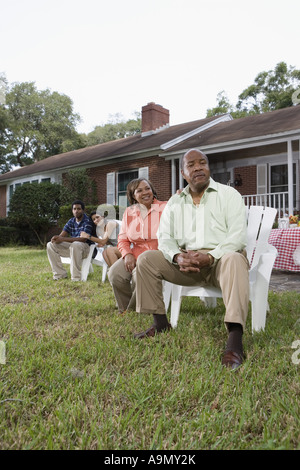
38 124
223 106
271 90
78 185
116 128
36 206
3 124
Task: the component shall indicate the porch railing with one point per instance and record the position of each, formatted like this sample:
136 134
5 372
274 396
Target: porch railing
278 201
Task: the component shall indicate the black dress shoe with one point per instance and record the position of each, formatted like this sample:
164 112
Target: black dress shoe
150 332
232 360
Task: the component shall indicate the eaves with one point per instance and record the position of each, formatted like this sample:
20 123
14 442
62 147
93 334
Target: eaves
238 144
102 161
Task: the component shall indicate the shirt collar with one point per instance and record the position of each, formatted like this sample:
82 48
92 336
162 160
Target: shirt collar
155 206
82 220
211 187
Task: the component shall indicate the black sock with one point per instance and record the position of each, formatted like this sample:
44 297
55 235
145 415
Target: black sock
160 322
234 342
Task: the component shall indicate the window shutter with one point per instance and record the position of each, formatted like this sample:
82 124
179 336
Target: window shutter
144 172
110 188
262 180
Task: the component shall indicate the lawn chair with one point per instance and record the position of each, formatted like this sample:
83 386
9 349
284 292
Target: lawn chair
86 263
100 261
261 256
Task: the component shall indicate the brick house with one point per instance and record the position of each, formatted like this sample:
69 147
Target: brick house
259 155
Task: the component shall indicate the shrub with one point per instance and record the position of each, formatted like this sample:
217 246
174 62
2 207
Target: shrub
35 206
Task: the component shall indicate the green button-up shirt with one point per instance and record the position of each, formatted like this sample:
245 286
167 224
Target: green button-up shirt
217 224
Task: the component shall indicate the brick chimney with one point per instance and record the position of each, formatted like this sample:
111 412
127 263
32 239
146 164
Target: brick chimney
154 116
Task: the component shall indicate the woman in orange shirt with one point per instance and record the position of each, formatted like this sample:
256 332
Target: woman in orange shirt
138 234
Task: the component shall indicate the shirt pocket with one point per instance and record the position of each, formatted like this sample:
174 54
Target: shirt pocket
217 222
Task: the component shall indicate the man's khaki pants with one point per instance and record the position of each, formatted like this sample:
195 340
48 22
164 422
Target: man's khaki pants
77 251
230 273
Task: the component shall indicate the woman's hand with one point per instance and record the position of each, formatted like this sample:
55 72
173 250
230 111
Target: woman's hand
129 262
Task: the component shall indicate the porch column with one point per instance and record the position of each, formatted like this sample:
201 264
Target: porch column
181 182
290 177
173 176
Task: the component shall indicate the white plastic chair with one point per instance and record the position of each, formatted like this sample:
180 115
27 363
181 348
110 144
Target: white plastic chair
86 263
167 292
100 261
261 256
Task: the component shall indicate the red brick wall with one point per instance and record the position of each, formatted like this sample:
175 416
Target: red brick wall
159 174
248 176
2 201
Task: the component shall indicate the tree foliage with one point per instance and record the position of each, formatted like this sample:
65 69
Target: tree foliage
271 90
78 185
223 106
36 124
3 123
35 206
116 128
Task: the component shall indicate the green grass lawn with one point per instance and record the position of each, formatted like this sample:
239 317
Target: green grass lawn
75 378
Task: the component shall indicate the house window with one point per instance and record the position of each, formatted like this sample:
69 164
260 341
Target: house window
279 180
123 180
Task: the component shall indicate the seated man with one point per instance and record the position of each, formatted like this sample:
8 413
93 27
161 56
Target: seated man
201 240
69 244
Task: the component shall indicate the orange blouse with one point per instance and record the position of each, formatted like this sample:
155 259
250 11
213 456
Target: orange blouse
138 234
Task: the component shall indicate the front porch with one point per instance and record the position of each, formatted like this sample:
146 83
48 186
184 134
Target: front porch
279 201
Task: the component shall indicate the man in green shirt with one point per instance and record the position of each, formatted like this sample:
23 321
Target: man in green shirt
202 237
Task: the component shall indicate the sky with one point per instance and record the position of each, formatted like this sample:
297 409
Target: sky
115 56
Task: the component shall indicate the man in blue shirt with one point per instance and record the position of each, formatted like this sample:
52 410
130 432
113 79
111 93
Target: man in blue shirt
69 244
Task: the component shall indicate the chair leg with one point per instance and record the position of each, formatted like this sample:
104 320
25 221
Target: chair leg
259 314
260 291
86 266
85 270
259 304
104 271
167 290
175 304
210 302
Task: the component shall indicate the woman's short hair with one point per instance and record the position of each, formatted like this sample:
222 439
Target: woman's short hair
132 185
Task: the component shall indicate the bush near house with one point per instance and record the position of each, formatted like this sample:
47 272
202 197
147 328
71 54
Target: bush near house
35 207
14 235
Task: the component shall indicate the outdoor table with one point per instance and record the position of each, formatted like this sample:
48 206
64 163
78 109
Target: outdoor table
286 241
